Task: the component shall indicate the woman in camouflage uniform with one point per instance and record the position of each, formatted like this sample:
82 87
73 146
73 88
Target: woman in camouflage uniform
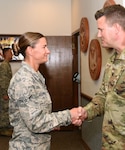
30 103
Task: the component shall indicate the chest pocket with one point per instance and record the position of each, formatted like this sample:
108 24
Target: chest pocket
120 86
115 111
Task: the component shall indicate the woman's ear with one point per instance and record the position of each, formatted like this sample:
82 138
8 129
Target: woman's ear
29 50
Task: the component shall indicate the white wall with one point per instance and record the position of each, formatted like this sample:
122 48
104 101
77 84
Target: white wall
50 17
83 8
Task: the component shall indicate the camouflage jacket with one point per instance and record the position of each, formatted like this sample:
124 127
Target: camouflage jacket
5 77
30 111
110 101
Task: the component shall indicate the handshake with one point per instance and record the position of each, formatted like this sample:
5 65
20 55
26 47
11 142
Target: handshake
78 115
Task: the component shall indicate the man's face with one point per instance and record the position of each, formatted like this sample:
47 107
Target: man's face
106 32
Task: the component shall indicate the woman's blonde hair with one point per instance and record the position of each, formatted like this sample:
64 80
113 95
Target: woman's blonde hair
28 39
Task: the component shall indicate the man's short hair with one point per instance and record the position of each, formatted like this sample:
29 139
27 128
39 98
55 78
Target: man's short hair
113 13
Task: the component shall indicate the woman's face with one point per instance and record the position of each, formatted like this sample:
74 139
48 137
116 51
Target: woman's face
40 52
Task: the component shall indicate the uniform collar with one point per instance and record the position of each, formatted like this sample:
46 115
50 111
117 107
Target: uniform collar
118 56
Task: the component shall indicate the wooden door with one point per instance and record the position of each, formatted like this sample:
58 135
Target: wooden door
58 72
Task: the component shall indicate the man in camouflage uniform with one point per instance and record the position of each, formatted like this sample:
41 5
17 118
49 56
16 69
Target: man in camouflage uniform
110 99
30 104
5 77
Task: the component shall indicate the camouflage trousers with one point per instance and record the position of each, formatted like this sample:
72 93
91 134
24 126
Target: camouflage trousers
21 145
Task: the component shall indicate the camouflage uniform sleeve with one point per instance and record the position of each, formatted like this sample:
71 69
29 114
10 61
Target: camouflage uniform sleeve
39 121
44 122
5 77
96 106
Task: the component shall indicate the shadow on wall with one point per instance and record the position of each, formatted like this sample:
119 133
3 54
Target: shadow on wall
92 131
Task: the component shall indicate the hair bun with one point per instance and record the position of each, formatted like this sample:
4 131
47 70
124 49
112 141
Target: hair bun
16 49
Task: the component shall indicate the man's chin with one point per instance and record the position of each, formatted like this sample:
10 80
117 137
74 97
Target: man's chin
107 47
104 46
